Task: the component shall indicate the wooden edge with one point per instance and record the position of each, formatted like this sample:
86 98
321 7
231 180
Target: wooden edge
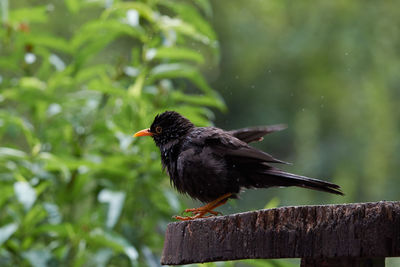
360 230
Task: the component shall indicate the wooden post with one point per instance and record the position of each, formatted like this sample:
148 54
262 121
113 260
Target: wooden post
361 234
343 262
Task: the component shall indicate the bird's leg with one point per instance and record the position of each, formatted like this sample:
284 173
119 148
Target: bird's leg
208 208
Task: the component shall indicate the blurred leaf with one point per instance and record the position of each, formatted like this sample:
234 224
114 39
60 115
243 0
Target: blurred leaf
73 90
54 216
174 53
115 241
136 88
7 231
11 152
73 5
201 100
102 257
32 82
115 201
167 23
37 257
143 9
179 70
33 14
105 28
51 42
190 14
26 195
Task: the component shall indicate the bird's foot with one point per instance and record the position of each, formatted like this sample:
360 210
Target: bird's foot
203 210
188 218
197 213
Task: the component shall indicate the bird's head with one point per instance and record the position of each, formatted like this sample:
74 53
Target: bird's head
167 127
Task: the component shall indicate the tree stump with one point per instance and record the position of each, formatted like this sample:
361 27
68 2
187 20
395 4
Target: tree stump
360 234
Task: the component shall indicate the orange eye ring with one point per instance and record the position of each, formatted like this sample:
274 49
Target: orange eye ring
158 129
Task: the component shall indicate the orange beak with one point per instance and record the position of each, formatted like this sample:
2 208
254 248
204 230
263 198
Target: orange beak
145 132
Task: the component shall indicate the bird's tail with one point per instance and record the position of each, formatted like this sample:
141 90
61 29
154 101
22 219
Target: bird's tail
277 177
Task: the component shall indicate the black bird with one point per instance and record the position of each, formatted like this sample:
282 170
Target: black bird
212 165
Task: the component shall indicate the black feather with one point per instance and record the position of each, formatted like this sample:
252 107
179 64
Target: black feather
207 162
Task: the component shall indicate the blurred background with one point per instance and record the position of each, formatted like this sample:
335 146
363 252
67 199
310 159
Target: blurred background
78 78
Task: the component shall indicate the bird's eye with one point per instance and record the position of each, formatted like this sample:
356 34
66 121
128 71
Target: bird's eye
158 129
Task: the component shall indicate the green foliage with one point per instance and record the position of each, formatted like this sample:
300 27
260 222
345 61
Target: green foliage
76 188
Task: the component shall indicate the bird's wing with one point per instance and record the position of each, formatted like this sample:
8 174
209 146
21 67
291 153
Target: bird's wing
227 145
255 134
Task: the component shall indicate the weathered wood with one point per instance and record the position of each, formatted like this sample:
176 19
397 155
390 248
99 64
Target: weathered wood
343 262
363 230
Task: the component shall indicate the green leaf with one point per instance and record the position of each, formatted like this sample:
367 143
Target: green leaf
174 53
95 30
7 231
167 23
32 14
136 88
179 70
115 201
25 193
122 7
190 15
49 41
73 5
32 82
37 257
114 241
201 100
11 152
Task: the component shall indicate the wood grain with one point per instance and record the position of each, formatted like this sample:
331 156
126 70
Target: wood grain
361 230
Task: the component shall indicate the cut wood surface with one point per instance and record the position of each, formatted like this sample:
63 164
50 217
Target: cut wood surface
361 230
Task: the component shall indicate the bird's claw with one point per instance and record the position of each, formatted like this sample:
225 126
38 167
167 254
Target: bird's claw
196 211
188 218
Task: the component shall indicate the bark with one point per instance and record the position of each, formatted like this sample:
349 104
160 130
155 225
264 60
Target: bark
313 233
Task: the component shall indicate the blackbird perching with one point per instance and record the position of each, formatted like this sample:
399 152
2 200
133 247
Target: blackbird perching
213 165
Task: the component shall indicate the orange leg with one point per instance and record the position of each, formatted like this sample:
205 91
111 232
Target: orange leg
208 208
